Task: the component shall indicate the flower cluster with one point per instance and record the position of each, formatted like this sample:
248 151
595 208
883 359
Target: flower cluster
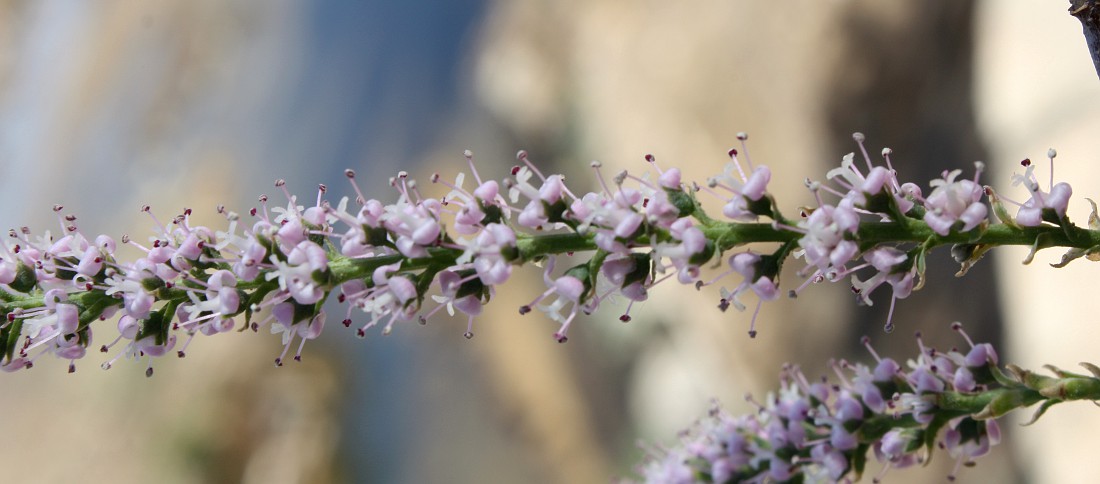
411 258
822 431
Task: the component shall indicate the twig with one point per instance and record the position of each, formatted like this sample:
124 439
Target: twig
1088 12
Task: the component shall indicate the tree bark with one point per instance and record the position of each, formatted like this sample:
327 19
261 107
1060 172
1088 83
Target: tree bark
1088 12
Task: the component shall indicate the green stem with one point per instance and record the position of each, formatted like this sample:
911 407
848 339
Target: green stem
725 235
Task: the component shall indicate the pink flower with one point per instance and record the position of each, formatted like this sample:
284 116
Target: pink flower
684 254
1056 199
571 289
488 253
825 244
892 267
954 201
744 188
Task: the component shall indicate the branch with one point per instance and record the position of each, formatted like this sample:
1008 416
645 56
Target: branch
1088 12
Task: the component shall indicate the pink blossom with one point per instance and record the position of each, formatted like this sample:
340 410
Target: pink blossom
954 201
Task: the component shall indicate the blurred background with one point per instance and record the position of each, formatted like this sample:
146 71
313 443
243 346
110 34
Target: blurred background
105 106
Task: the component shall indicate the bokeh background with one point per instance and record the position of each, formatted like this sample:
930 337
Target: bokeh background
105 106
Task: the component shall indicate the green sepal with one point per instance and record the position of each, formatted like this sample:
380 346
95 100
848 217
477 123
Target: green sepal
1007 380
859 460
91 308
983 375
919 257
1040 243
967 255
1093 369
999 209
422 282
242 295
932 430
377 236
303 312
493 213
509 253
1043 407
1076 253
555 212
66 271
585 275
883 202
252 300
970 430
472 287
11 334
322 277
764 207
878 425
595 264
270 249
643 268
684 202
152 284
917 212
701 257
25 280
1030 379
314 235
158 324
206 259
770 265
1050 215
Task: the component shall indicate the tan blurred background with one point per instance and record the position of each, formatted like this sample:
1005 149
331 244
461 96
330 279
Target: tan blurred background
105 106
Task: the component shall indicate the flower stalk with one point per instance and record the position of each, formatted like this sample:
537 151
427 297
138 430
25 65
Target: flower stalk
402 261
819 431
